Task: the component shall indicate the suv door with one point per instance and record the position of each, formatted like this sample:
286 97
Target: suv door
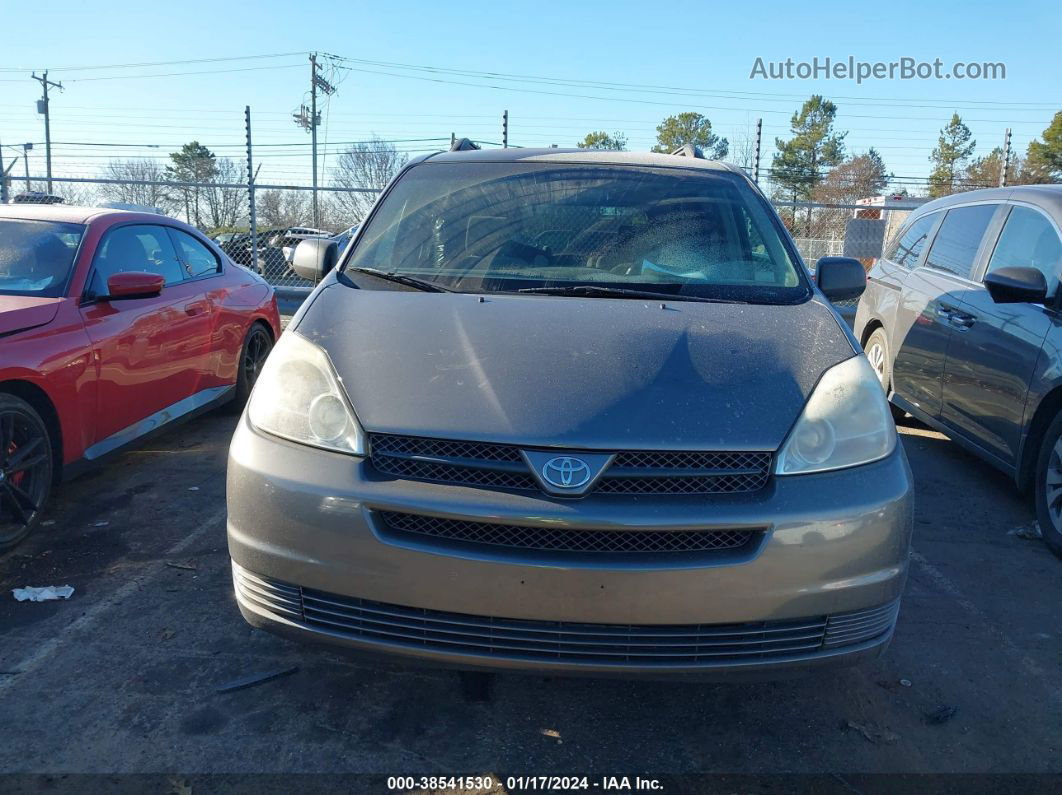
995 346
931 293
150 352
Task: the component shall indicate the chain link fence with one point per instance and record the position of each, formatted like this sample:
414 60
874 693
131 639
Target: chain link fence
283 216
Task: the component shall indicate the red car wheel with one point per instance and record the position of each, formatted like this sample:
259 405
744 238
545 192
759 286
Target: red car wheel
25 469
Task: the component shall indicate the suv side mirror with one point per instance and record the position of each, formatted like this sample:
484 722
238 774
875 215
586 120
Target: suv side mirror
133 284
840 277
315 257
1016 285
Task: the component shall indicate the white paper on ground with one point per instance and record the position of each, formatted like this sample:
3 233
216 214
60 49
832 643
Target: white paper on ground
45 594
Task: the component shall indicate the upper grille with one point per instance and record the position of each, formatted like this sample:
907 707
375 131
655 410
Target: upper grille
632 472
644 645
442 448
558 539
471 463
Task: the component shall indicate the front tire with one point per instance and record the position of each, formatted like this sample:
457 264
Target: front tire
1049 487
877 351
25 470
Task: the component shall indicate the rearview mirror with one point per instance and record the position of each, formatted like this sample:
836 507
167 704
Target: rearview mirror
315 257
1016 285
133 284
840 277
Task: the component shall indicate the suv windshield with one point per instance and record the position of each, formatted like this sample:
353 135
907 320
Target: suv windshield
35 256
503 227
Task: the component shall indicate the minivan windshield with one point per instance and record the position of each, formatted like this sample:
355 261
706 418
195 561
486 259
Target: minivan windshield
507 227
35 256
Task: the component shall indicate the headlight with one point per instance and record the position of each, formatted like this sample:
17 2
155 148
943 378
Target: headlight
298 397
846 422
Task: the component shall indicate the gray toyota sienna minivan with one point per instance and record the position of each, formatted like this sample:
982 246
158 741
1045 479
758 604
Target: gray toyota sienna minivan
575 412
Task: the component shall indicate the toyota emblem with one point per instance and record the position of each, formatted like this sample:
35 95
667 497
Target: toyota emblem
565 472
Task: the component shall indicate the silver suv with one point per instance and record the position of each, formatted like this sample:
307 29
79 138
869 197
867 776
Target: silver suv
961 322
574 412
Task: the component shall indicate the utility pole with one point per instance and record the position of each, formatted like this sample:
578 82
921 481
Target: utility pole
3 175
1006 160
505 129
756 160
314 121
25 161
42 107
250 191
310 119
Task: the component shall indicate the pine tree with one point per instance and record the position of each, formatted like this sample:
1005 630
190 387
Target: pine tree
798 166
1044 158
950 159
675 132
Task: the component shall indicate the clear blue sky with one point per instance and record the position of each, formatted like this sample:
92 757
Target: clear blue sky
707 48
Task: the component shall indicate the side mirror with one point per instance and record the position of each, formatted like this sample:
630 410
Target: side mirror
315 257
1016 286
840 277
133 284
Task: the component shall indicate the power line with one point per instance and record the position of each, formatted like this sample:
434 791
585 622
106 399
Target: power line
155 63
650 88
169 74
652 102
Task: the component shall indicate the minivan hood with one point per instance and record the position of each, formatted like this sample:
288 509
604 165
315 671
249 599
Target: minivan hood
21 312
577 373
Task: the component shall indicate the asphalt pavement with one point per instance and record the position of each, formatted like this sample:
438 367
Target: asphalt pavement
124 676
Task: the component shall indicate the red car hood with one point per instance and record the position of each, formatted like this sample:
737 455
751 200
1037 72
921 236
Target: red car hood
19 312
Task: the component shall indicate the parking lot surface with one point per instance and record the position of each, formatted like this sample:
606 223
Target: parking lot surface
124 676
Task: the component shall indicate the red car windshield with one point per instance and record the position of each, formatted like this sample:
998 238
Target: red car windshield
35 256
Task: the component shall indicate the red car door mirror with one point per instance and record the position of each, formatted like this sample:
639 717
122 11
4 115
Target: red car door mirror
134 284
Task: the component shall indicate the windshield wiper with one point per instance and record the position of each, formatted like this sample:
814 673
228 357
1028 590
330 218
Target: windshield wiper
401 278
591 290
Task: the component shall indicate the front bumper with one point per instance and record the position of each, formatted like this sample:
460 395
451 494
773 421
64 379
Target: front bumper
821 588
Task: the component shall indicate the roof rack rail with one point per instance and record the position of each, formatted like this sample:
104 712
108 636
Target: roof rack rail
463 145
689 150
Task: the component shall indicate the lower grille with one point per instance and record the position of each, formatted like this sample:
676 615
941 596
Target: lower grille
565 641
556 539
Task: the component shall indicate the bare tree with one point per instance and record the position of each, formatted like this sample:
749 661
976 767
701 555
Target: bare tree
370 164
75 193
743 150
226 207
133 190
276 208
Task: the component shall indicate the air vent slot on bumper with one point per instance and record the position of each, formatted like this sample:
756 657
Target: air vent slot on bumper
390 625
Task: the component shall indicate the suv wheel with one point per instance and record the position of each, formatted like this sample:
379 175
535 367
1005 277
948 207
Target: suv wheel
1049 486
877 351
25 469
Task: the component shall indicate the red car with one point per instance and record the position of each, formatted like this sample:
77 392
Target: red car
112 325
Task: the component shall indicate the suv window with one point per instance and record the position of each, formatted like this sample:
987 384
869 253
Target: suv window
956 244
907 247
1029 240
197 258
135 248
